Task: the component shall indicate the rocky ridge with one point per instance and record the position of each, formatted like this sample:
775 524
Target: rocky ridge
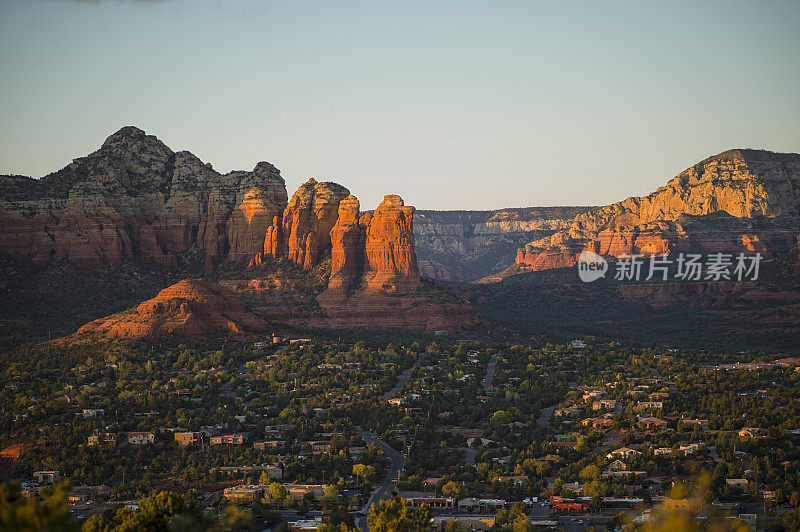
135 200
190 308
738 200
468 245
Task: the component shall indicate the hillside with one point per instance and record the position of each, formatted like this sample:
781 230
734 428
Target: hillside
135 203
736 201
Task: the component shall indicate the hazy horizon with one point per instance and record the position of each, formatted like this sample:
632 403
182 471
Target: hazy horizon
454 105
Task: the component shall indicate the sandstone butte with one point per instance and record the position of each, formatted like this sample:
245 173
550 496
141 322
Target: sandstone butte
134 199
737 201
189 308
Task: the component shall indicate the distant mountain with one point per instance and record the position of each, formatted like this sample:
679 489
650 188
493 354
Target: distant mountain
738 200
136 201
468 245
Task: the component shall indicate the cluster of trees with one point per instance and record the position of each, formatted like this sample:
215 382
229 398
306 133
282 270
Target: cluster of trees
161 511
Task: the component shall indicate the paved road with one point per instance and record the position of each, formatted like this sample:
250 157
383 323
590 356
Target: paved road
384 491
544 416
469 454
490 368
402 380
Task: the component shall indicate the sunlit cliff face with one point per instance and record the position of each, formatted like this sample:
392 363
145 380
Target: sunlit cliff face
252 204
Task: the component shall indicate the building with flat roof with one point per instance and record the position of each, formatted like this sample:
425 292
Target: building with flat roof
244 492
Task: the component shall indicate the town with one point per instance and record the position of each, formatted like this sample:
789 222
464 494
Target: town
307 433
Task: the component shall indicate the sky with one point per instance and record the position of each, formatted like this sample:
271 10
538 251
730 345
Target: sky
451 104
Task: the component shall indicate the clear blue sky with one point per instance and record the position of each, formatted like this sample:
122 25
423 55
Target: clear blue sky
452 104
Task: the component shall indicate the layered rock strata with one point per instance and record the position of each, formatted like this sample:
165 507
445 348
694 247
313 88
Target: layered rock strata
135 199
192 307
739 200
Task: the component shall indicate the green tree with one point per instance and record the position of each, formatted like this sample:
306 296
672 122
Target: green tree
453 489
277 491
363 471
331 493
501 417
590 472
397 515
18 512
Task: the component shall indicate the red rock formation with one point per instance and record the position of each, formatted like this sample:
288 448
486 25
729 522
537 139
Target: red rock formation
422 311
273 240
192 307
347 246
307 222
260 199
8 460
436 270
135 199
739 200
390 262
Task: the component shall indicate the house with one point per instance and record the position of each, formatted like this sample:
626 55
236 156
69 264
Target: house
623 452
187 438
433 502
397 401
749 433
78 497
274 472
472 505
93 412
565 412
662 451
739 483
652 423
101 438
244 492
676 504
83 494
604 404
618 465
228 439
597 422
46 477
317 446
141 438
691 448
650 405
298 491
578 344
592 395
265 445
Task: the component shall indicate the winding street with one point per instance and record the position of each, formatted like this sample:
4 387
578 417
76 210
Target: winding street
544 415
403 378
384 491
397 460
490 369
